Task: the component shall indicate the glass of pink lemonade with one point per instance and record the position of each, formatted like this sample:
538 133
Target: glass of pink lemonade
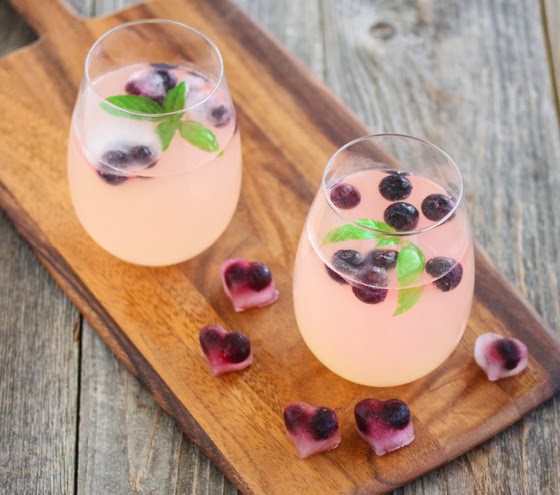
154 154
384 272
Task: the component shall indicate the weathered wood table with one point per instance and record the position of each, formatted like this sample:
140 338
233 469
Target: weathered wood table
478 79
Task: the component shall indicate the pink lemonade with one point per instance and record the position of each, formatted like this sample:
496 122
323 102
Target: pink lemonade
142 203
371 343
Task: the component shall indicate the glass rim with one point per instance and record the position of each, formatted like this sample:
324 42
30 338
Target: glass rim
125 25
406 233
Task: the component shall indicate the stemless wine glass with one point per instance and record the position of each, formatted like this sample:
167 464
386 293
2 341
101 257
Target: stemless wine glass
154 154
384 272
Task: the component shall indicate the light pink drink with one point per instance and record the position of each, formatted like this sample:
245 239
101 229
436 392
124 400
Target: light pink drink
177 207
377 344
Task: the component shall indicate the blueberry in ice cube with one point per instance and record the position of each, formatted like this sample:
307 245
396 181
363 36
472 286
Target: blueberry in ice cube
153 84
225 351
500 357
220 116
385 425
143 155
311 429
383 258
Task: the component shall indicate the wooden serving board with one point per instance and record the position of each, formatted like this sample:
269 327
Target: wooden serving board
150 317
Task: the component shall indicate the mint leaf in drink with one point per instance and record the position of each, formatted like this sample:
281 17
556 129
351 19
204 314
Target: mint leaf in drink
407 298
133 103
166 131
350 231
410 264
198 135
175 98
389 241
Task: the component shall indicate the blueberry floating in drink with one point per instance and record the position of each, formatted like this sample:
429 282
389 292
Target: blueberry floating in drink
436 206
403 217
311 429
395 187
385 425
225 351
450 273
500 357
345 196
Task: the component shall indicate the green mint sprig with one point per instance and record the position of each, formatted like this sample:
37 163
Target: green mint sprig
410 261
193 132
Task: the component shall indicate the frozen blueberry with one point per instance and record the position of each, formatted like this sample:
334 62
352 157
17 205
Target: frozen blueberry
311 429
225 351
451 270
258 276
383 258
220 116
347 260
395 187
385 425
345 196
143 155
153 84
500 357
335 276
401 216
436 206
248 284
108 167
372 289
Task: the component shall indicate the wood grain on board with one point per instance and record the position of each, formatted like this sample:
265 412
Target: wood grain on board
150 318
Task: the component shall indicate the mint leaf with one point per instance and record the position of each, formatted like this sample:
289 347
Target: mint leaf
410 264
407 298
198 135
133 103
389 241
175 98
166 131
352 232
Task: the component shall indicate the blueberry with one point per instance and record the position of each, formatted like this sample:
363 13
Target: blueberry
335 276
437 206
323 423
235 275
236 347
169 80
395 187
401 216
452 273
347 260
143 155
258 276
345 196
220 116
294 417
153 84
382 258
116 158
372 289
395 413
509 352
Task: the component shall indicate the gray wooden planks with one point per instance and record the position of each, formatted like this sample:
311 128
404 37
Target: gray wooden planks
473 77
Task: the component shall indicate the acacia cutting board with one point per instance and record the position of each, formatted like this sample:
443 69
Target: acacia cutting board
150 317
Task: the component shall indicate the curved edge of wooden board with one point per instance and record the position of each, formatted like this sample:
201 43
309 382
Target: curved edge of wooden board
112 334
